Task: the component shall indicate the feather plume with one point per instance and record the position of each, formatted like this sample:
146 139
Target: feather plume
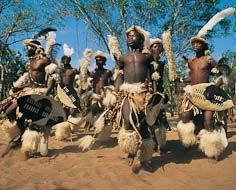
84 63
50 42
67 51
167 45
215 19
114 48
42 33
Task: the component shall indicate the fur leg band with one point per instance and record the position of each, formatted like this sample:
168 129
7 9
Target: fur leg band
186 133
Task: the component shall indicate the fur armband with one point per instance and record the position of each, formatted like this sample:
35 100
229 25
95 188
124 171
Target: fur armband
215 70
156 76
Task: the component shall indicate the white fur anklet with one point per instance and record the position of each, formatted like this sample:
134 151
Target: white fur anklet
128 142
186 133
212 143
30 141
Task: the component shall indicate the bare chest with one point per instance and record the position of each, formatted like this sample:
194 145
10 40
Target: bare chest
199 64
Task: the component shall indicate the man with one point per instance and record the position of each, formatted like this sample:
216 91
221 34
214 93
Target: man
66 85
32 82
35 78
206 99
101 77
134 137
161 125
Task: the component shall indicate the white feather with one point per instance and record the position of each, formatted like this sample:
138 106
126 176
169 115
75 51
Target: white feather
215 19
51 36
67 51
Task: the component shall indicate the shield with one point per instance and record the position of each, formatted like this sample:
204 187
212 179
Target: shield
42 110
64 97
207 96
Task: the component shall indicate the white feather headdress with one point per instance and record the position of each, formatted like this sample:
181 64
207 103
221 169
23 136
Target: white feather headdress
216 19
67 51
50 42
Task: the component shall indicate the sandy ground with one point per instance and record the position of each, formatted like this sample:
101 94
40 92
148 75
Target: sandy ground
67 168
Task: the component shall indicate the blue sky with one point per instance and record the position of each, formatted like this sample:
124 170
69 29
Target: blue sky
77 35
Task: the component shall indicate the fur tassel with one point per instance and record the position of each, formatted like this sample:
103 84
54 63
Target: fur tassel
186 133
50 42
110 98
102 130
133 88
167 45
216 19
212 143
128 141
43 147
146 150
10 129
74 122
160 134
51 68
100 123
30 141
117 73
114 48
86 142
84 63
63 130
22 80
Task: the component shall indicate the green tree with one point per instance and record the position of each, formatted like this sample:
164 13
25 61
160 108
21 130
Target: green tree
18 20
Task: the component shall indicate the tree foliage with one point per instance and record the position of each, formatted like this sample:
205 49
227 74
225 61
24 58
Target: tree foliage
183 17
18 20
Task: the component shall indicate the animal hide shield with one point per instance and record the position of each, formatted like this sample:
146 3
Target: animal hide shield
207 96
64 98
42 110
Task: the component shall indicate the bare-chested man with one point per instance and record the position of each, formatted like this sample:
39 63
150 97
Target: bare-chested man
201 66
101 77
67 80
36 72
32 82
161 125
135 138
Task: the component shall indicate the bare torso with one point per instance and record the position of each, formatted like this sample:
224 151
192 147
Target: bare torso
101 78
37 70
200 69
135 66
68 76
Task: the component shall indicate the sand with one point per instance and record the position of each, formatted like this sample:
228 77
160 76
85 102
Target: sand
67 168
